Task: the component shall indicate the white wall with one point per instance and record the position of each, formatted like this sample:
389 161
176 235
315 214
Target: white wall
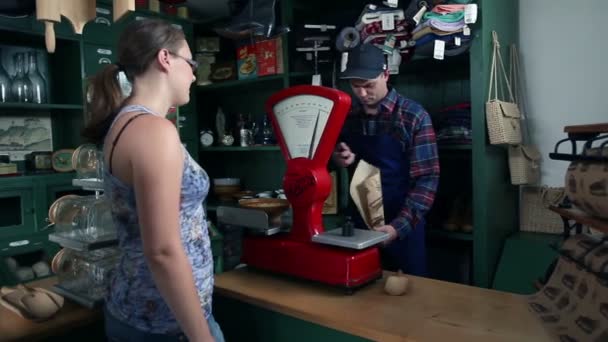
564 56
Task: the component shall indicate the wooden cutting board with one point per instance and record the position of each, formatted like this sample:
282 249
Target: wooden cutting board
78 12
122 7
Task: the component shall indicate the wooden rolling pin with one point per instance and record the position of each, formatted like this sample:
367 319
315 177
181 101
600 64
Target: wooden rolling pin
49 12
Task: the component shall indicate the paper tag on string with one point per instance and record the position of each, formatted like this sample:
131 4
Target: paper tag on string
391 3
439 49
388 21
419 15
343 61
470 14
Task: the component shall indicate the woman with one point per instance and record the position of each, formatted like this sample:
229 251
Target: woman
163 283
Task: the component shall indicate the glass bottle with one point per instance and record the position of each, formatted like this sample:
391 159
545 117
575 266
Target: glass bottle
5 83
38 84
21 88
267 132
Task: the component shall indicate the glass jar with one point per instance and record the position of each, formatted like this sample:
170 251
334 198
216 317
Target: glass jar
86 273
87 160
85 218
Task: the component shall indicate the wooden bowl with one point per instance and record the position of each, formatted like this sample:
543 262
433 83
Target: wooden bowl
272 206
238 195
225 192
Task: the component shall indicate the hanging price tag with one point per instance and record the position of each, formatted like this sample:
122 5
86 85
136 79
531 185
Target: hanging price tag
343 61
466 31
316 80
457 41
439 49
388 21
391 3
419 15
470 14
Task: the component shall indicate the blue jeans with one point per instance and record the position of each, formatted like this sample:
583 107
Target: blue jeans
118 331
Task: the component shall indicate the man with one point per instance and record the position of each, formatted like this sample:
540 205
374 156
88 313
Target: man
396 135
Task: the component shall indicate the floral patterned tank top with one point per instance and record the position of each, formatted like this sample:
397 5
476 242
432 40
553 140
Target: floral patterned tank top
132 295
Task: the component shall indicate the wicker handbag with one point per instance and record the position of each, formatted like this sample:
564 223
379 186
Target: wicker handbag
534 213
524 164
524 160
502 116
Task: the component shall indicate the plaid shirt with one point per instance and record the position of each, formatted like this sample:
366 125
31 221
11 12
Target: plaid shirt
413 127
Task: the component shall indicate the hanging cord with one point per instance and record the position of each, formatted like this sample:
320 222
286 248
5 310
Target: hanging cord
519 91
497 92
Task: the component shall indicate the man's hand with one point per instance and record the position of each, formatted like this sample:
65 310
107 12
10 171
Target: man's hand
392 233
342 155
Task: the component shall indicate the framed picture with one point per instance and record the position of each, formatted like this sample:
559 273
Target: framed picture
20 135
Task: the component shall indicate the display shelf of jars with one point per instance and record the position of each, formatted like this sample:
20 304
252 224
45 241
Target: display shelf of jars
84 228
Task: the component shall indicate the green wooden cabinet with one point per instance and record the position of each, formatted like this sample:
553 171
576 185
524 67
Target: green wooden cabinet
96 57
23 23
101 29
242 321
26 251
188 125
525 258
17 215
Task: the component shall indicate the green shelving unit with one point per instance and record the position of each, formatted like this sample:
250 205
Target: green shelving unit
227 85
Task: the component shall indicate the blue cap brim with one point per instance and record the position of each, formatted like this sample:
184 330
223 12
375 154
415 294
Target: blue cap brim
360 73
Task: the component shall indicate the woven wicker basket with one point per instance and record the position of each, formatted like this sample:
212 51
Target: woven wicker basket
534 213
524 164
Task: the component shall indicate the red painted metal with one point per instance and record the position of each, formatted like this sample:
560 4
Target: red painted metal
307 184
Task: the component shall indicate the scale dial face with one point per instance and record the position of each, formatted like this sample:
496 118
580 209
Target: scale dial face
302 120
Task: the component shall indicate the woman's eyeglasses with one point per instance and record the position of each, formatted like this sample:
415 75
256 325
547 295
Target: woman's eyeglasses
192 62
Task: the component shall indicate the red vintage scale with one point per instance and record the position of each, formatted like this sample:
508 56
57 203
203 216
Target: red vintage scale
307 121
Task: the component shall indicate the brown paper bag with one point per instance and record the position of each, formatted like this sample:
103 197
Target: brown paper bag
366 192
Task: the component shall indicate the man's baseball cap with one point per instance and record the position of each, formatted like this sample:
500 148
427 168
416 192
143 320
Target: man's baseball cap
365 61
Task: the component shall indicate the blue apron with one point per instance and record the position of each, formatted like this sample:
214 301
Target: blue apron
387 153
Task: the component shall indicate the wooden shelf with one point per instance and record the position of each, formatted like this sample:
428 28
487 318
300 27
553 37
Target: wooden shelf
593 129
238 83
444 234
20 105
583 218
455 147
43 176
240 149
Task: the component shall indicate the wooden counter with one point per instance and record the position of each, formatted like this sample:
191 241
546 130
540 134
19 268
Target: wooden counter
69 317
431 311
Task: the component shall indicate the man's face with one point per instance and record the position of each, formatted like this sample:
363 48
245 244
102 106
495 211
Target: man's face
370 92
